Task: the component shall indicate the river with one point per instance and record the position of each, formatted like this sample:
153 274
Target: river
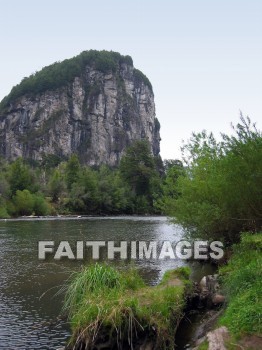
30 307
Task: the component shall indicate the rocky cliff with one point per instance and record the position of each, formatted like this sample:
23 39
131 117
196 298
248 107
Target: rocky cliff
93 105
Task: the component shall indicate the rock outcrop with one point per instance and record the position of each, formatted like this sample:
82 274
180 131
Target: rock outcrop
96 114
210 291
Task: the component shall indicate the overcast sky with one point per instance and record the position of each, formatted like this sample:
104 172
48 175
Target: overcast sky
203 57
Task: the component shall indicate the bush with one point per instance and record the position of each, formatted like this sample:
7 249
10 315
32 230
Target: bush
20 177
41 206
3 213
242 282
220 192
24 202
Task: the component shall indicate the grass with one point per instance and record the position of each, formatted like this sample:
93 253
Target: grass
203 346
105 303
242 279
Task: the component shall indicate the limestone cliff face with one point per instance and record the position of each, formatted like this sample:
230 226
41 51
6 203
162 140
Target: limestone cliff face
96 115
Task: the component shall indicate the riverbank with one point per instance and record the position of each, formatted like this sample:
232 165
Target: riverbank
83 217
149 317
239 325
112 309
28 288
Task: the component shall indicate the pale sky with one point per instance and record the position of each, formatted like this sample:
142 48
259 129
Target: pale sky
203 57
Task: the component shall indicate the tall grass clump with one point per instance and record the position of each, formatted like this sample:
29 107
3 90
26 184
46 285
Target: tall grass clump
242 279
90 280
115 309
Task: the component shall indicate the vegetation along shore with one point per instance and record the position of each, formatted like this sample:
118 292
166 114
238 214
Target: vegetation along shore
216 195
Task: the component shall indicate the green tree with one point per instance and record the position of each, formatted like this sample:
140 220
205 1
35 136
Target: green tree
56 185
24 202
20 177
221 191
50 161
3 209
72 171
41 206
137 167
3 212
4 186
169 192
113 193
84 192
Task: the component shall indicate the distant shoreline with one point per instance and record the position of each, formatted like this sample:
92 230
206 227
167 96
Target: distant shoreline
83 217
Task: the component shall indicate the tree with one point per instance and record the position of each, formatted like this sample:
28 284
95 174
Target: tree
113 193
50 161
137 167
84 193
20 177
41 207
169 192
24 202
4 186
56 185
72 171
221 190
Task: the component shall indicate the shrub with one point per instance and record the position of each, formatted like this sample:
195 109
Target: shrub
24 202
219 193
41 206
242 282
3 213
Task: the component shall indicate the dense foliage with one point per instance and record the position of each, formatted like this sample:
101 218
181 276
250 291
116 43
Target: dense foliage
61 73
218 192
66 187
242 282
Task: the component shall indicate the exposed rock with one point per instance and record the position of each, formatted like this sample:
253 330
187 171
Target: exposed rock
218 299
210 293
96 115
209 283
216 339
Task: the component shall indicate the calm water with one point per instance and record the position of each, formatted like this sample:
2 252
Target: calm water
30 310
